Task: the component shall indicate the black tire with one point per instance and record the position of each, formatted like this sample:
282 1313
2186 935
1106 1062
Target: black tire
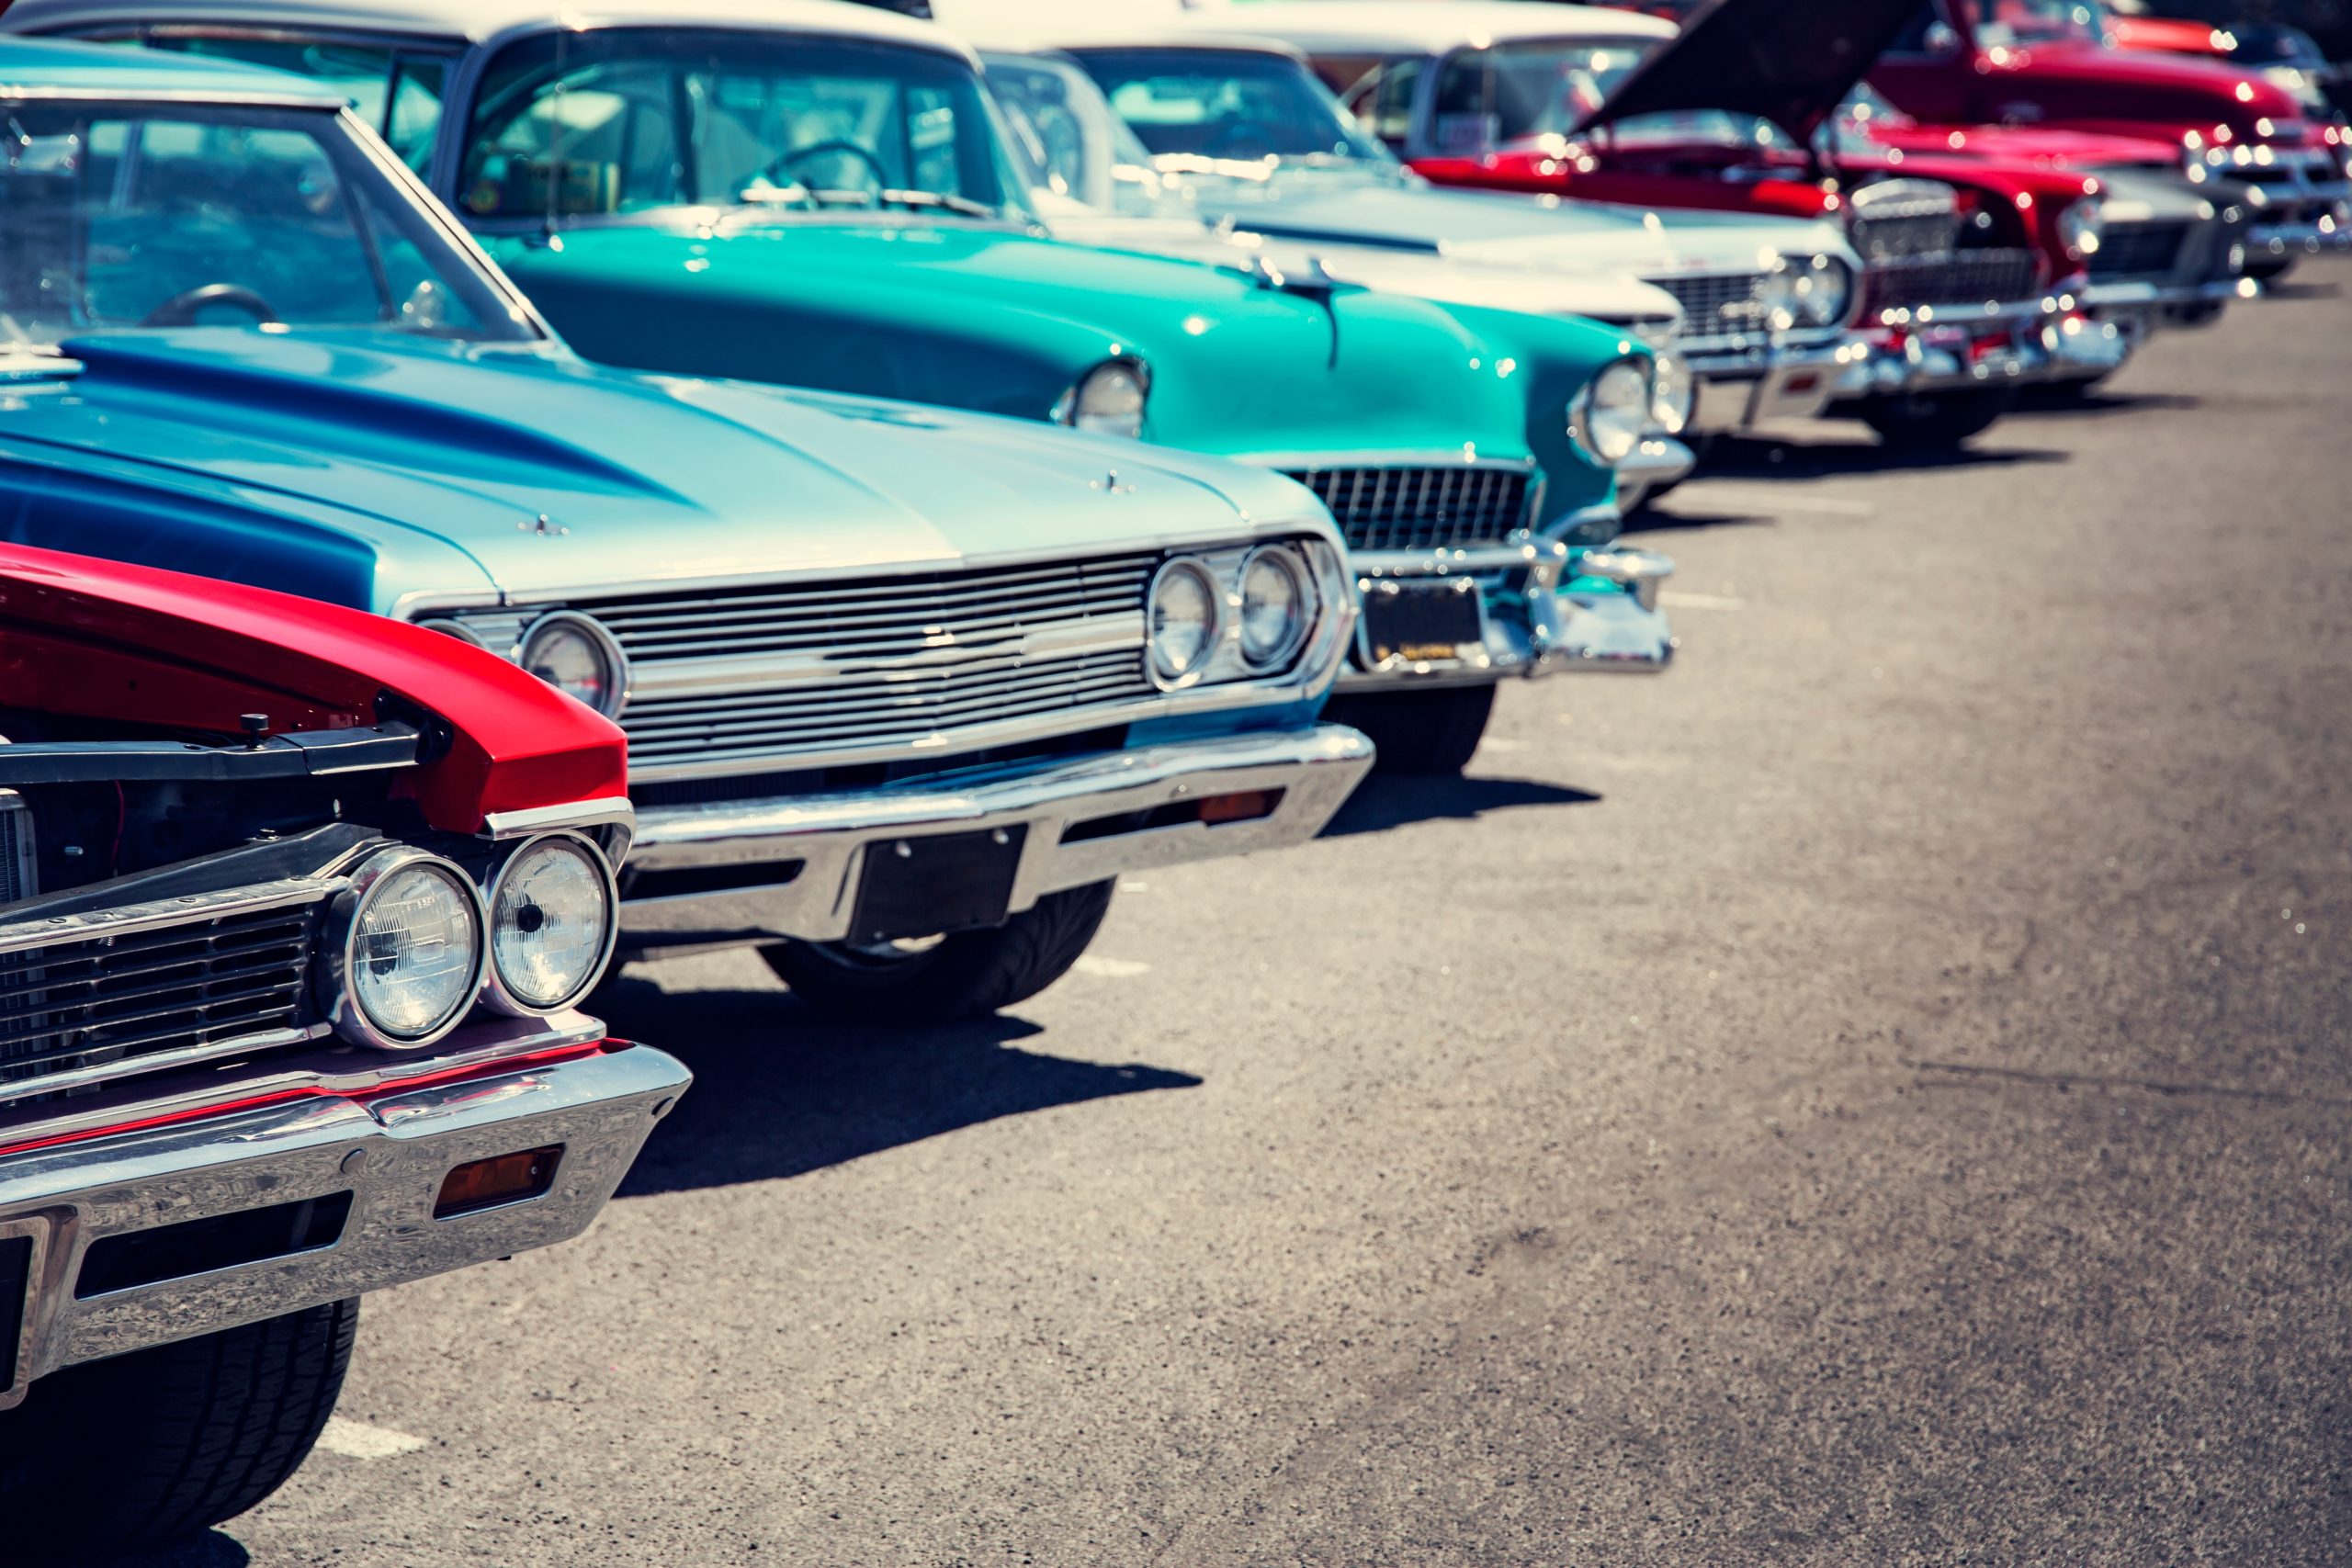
1931 421
1420 732
142 1450
963 975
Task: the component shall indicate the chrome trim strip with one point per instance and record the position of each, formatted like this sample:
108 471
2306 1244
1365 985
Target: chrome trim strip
611 810
122 1069
134 917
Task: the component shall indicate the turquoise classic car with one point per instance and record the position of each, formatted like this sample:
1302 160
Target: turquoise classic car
906 690
820 195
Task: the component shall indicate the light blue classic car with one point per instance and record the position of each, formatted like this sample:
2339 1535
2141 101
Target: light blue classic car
905 690
818 194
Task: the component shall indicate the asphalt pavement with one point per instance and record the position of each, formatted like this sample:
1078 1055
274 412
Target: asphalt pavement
1879 1093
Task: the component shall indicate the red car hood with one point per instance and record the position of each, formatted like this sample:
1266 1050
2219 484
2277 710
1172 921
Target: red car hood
2029 145
129 642
2092 83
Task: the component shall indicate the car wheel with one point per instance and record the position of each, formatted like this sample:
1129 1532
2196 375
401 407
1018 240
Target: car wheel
1932 420
961 975
140 1450
1420 732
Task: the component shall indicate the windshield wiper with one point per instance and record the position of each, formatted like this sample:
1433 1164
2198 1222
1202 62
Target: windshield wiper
765 195
962 204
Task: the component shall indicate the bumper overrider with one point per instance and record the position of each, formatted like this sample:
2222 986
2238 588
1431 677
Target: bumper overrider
145 1217
1524 609
1742 385
728 872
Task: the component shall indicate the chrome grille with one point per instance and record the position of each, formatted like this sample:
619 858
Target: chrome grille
16 862
740 674
1434 508
122 996
1896 218
1961 277
2136 250
1715 304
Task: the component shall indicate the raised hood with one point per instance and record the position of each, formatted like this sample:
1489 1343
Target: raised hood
1787 61
547 474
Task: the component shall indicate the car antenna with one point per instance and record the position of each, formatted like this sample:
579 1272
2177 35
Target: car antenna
555 138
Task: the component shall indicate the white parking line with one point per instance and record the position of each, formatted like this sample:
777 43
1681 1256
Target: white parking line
1112 968
1675 599
356 1440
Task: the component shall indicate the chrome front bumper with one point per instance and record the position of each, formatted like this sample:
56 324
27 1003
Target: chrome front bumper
2139 306
1740 387
316 1140
755 871
1962 348
1545 609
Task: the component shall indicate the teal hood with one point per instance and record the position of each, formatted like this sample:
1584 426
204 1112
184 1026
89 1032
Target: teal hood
1000 319
375 471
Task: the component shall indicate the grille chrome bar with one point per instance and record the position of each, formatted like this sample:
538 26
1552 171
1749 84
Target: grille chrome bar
1424 508
1961 277
88 998
2139 250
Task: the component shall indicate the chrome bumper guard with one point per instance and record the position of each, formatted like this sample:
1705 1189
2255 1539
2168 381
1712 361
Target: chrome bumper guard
1740 387
363 1147
761 870
2329 233
1659 460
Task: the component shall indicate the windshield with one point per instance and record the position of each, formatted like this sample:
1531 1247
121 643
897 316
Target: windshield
142 215
1070 145
621 120
1228 105
1489 96
2001 22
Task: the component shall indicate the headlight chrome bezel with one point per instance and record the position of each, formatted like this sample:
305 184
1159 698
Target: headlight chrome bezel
1214 592
2080 226
1585 413
496 991
616 689
1674 392
1071 409
1302 623
340 997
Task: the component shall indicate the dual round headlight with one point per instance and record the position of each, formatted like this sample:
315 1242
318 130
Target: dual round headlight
415 944
1610 412
1108 399
1266 611
579 658
1806 292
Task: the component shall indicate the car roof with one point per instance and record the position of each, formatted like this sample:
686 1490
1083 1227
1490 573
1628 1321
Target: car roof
1417 27
1033 26
477 21
42 68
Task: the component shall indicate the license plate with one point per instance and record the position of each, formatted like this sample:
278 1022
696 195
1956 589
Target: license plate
1421 621
942 882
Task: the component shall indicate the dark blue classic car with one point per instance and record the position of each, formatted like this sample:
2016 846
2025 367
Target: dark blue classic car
905 690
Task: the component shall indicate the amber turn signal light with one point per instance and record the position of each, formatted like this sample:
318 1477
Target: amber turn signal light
1247 806
504 1178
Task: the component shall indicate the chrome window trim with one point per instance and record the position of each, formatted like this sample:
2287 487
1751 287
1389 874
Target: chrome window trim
495 993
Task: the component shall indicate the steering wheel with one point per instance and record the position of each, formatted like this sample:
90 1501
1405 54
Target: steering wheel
180 310
783 163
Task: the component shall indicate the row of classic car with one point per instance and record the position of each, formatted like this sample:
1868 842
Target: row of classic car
545 490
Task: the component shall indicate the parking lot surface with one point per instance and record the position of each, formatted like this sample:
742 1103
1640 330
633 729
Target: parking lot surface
1877 1094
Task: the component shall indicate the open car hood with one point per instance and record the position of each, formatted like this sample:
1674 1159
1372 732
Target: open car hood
1787 61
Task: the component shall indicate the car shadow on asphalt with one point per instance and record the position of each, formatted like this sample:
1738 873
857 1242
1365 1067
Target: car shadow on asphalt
1393 800
1751 460
211 1549
781 1090
2097 402
2304 291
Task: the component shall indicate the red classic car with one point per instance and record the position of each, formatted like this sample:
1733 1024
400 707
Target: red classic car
296 905
1967 263
2049 62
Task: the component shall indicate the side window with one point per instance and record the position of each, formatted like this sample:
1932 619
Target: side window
361 74
931 139
1391 101
413 112
601 139
1465 121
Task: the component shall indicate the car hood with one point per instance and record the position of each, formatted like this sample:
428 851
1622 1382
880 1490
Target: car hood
1516 231
554 474
1789 65
2121 84
1605 292
2030 144
2142 195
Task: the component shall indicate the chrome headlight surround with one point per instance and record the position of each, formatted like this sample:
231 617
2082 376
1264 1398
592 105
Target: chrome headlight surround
448 627
1304 612
1610 412
1172 576
2080 224
1110 399
602 646
1675 395
497 991
339 995
1824 290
